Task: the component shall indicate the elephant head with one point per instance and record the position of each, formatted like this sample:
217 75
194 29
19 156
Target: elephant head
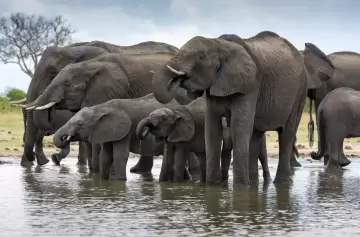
217 66
173 125
96 124
81 85
319 67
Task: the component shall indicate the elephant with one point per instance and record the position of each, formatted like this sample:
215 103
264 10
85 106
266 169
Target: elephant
53 60
259 84
182 130
108 76
337 118
113 124
346 74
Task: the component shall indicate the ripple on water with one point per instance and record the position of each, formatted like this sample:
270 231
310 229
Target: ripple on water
66 200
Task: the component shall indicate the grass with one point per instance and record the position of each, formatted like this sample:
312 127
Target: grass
12 129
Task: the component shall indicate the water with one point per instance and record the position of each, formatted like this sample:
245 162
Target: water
67 201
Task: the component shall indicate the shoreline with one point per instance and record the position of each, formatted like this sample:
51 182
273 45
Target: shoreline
350 149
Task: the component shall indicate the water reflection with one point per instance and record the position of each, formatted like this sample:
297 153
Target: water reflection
67 200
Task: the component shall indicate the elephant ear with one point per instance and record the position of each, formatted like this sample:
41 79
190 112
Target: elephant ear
184 127
237 71
319 67
112 125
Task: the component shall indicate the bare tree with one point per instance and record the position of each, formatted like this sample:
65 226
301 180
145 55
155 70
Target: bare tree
23 38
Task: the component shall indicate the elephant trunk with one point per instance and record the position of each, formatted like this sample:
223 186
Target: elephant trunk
61 137
142 130
311 125
42 120
321 140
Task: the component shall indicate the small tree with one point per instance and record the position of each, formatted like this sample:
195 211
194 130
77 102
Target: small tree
15 94
23 38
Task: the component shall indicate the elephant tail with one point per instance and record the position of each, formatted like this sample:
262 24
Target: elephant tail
311 126
321 139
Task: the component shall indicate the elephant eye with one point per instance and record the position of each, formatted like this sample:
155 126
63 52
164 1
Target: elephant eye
201 56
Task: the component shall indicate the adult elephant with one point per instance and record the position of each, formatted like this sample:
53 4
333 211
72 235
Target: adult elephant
53 60
84 84
346 74
259 84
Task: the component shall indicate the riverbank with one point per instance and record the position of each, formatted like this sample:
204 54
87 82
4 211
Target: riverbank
12 129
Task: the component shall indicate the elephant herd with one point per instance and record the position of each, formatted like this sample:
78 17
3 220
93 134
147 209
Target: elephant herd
198 106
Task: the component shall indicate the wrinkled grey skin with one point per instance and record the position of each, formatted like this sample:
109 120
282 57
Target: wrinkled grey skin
109 76
182 129
52 61
346 74
113 125
259 84
337 118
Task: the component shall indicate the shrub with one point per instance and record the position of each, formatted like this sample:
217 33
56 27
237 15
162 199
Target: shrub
15 94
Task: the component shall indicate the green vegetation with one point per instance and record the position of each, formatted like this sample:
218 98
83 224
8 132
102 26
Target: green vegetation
15 94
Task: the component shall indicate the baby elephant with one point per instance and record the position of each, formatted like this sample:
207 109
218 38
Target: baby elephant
112 125
182 128
337 118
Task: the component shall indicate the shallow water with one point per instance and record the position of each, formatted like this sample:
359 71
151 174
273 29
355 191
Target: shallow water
66 200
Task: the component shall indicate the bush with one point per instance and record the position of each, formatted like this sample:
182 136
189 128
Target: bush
5 105
15 94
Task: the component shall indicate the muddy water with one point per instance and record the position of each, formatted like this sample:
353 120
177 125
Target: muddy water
66 200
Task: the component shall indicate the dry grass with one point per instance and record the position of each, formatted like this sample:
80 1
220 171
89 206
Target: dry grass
11 132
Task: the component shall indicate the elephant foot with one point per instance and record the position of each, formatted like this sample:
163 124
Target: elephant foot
142 166
55 159
266 176
26 163
253 179
41 159
283 179
344 161
333 165
294 162
81 162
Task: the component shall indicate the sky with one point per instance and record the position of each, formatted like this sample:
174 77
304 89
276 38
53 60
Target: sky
332 25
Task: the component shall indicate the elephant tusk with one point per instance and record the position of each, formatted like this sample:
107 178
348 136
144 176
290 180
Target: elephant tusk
15 102
47 106
179 73
152 72
30 108
68 138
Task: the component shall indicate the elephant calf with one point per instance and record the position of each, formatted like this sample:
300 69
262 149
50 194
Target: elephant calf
338 118
182 128
112 125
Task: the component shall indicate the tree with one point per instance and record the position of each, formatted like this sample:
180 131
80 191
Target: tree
15 94
23 38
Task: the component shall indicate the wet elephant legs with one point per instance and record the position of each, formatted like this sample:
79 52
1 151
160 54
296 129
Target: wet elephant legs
144 165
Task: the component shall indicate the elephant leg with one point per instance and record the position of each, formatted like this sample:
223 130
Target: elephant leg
88 153
343 160
167 170
56 158
193 163
180 156
335 146
39 152
121 150
294 154
144 165
242 126
106 159
95 155
225 163
213 137
264 159
82 159
30 137
254 157
202 161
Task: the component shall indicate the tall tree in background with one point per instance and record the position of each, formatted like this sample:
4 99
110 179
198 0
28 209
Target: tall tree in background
23 38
